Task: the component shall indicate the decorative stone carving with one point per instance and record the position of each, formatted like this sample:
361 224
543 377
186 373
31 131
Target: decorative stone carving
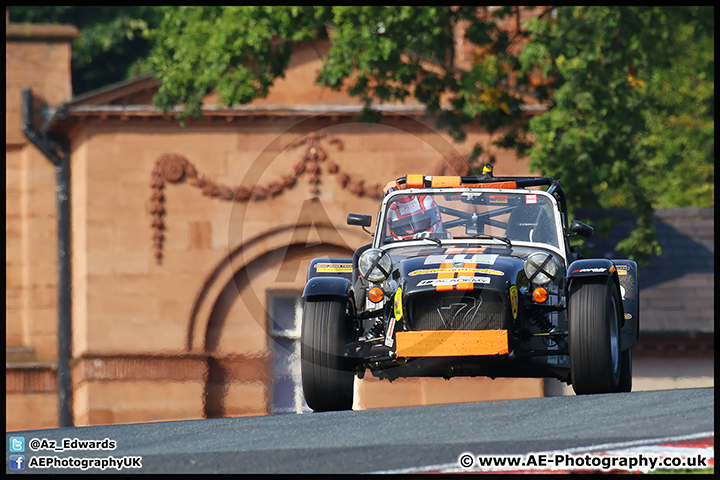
173 167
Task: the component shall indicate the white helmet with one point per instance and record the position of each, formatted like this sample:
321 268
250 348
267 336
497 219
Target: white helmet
412 214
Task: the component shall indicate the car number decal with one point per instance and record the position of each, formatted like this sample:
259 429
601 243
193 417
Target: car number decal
469 283
445 273
465 258
456 250
450 277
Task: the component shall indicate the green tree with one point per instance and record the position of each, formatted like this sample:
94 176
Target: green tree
629 90
378 53
681 119
236 51
631 118
110 45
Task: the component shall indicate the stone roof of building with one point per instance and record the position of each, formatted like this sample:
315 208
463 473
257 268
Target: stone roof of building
48 32
677 288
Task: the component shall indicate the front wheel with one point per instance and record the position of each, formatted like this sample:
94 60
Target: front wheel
327 374
594 336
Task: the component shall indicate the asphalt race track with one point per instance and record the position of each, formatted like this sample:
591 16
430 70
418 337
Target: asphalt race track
388 440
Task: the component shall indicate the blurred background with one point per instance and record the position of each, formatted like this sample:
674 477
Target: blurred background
171 172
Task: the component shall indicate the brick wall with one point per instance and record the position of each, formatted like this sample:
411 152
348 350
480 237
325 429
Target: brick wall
38 58
677 289
125 303
186 337
31 396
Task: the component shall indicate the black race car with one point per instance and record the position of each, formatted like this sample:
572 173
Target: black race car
468 276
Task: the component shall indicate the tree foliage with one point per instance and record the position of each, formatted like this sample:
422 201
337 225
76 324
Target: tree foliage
681 125
396 53
236 51
631 123
377 53
110 45
629 90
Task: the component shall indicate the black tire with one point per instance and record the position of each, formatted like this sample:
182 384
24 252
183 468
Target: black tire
327 375
625 384
594 336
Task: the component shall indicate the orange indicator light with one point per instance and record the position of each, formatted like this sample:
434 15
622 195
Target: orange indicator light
376 295
540 295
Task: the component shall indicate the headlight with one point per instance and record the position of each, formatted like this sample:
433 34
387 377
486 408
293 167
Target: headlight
375 265
541 268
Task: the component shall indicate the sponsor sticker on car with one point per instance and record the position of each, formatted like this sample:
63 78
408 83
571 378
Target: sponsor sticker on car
497 198
514 300
333 267
389 340
436 282
433 271
589 270
397 304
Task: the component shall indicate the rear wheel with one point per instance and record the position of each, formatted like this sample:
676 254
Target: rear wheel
327 375
594 336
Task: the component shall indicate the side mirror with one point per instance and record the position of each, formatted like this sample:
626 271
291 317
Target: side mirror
361 220
582 229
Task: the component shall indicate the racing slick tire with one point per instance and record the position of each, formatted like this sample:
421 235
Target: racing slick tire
327 375
594 336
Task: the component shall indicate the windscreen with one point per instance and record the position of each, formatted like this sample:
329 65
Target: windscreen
526 216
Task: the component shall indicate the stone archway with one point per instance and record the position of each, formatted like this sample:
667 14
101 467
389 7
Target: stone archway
225 270
235 342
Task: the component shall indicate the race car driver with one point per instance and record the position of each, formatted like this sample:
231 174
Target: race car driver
412 214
